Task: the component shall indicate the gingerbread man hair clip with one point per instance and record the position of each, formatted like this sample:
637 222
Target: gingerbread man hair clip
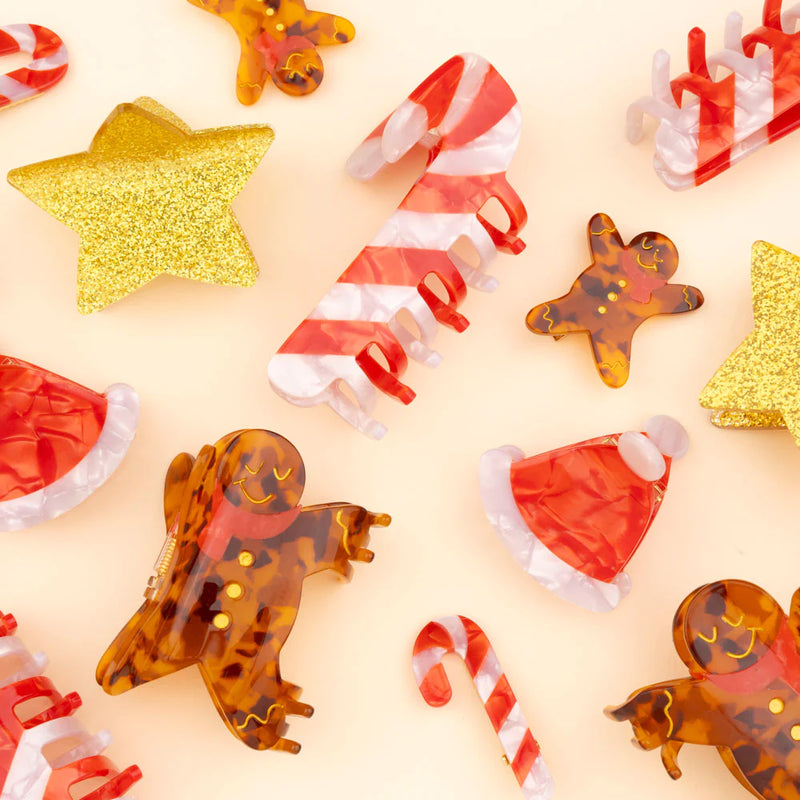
743 693
279 40
624 287
227 585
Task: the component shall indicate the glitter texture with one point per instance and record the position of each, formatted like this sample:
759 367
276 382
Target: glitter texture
151 196
759 385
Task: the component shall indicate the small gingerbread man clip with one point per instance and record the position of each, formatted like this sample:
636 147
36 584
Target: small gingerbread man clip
624 286
227 585
279 40
743 693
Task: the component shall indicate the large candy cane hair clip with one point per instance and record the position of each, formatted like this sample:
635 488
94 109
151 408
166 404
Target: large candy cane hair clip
707 124
469 120
49 756
462 637
48 67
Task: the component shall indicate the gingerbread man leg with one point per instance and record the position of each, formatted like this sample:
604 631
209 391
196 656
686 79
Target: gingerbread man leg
256 711
612 357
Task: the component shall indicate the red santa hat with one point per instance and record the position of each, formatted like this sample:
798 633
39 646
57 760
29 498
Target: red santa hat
58 441
574 517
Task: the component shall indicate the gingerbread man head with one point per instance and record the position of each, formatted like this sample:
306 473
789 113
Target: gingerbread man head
726 627
261 472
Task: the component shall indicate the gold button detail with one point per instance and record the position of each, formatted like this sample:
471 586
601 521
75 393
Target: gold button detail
222 621
270 12
602 310
777 705
623 283
246 558
612 297
234 591
280 27
796 732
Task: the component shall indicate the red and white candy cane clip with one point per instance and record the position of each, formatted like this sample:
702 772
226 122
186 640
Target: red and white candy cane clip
467 117
465 639
48 67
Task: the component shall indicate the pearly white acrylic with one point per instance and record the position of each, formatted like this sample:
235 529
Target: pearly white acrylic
88 475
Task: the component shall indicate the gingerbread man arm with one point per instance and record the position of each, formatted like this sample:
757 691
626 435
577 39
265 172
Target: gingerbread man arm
675 299
557 318
340 533
794 618
666 715
604 237
322 29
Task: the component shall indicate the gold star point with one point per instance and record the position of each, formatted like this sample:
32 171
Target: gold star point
758 386
151 197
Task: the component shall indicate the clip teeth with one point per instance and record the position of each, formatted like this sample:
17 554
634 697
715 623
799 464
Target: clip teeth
707 125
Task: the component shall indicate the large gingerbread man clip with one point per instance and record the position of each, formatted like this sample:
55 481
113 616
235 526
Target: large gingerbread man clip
279 40
228 582
624 286
743 693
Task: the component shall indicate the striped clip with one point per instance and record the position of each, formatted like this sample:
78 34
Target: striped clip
48 67
462 637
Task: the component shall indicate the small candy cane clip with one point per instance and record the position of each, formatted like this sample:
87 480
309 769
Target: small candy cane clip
49 65
463 637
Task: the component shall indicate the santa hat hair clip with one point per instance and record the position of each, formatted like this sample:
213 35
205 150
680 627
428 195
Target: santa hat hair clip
574 517
59 441
707 124
468 119
49 756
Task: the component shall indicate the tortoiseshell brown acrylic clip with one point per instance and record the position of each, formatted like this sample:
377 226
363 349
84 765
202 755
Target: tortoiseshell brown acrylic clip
742 695
624 286
228 582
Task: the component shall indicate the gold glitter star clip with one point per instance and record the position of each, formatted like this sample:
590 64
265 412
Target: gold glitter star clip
151 197
759 384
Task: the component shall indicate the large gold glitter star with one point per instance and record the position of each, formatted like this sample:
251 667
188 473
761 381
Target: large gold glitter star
149 197
759 385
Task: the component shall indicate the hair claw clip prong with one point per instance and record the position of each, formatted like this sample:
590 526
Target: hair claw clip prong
355 343
462 637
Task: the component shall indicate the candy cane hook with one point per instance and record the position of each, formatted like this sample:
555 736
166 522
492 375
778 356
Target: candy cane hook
463 637
48 67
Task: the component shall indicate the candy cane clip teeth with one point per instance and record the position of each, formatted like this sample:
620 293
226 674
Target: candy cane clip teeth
49 756
48 67
706 124
469 120
462 637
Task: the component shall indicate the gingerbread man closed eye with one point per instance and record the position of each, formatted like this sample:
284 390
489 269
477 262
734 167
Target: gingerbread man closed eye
624 286
743 693
227 585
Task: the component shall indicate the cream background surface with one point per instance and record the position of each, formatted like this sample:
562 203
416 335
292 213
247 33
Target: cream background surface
198 354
